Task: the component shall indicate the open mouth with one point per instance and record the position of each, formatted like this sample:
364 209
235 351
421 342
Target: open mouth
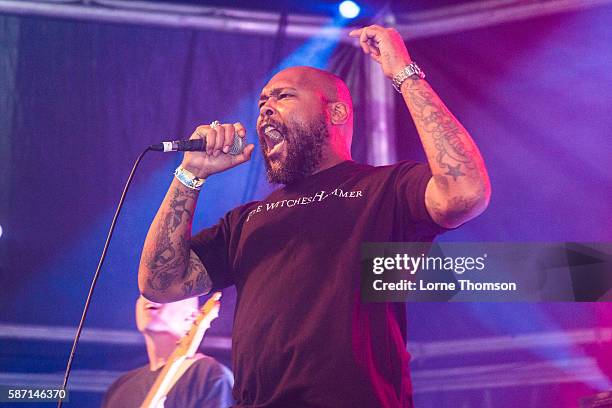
274 136
274 140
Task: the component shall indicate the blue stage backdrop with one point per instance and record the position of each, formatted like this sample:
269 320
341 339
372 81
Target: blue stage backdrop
80 100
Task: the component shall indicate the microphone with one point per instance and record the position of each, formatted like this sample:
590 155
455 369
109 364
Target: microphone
196 145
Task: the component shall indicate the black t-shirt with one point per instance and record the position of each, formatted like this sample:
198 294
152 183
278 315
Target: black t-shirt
205 384
302 337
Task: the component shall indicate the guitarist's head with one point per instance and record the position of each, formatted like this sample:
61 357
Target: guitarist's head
171 318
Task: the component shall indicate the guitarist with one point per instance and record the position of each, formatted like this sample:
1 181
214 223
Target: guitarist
202 381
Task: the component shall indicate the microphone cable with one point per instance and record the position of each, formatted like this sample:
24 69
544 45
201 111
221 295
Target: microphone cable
97 274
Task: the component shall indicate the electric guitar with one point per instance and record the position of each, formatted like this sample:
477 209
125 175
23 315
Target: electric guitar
186 349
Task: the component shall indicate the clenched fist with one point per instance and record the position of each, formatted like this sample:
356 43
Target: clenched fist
385 46
218 142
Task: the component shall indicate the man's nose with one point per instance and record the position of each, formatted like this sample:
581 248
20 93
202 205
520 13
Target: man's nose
266 110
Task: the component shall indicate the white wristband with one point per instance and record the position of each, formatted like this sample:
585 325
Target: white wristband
188 179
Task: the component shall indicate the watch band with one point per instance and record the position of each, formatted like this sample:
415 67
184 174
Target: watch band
188 179
408 71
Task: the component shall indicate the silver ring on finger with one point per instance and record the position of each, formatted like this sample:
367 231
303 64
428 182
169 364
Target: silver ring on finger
215 124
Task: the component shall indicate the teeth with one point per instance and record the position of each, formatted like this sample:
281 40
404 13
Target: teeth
273 134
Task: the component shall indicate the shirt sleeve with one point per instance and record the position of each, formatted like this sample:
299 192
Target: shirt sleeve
219 384
410 185
108 396
216 246
129 389
206 384
211 245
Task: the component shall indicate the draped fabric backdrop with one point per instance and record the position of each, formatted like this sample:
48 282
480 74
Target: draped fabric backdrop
80 100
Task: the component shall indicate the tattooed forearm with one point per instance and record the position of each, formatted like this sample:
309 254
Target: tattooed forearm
446 140
166 252
165 269
168 246
460 184
196 280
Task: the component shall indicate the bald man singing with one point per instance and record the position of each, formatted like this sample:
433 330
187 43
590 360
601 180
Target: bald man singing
302 336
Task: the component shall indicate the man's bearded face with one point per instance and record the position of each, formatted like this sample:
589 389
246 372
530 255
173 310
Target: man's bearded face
292 151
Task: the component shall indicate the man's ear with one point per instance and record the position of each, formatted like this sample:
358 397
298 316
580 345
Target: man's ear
339 113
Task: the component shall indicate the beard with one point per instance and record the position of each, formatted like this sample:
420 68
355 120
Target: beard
304 151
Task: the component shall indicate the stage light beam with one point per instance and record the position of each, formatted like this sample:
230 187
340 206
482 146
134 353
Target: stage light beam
349 9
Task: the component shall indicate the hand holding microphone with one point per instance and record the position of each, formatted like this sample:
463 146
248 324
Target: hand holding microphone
223 148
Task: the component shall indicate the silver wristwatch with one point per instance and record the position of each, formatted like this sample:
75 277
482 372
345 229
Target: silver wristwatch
409 70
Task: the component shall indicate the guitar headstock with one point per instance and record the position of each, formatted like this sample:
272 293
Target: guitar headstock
188 345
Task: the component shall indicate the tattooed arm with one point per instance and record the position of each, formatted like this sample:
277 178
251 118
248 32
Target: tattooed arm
459 189
169 270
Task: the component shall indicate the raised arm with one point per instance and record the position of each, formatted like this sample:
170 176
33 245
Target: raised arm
169 270
459 189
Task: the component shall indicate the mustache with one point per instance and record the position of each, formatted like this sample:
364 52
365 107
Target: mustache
281 127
